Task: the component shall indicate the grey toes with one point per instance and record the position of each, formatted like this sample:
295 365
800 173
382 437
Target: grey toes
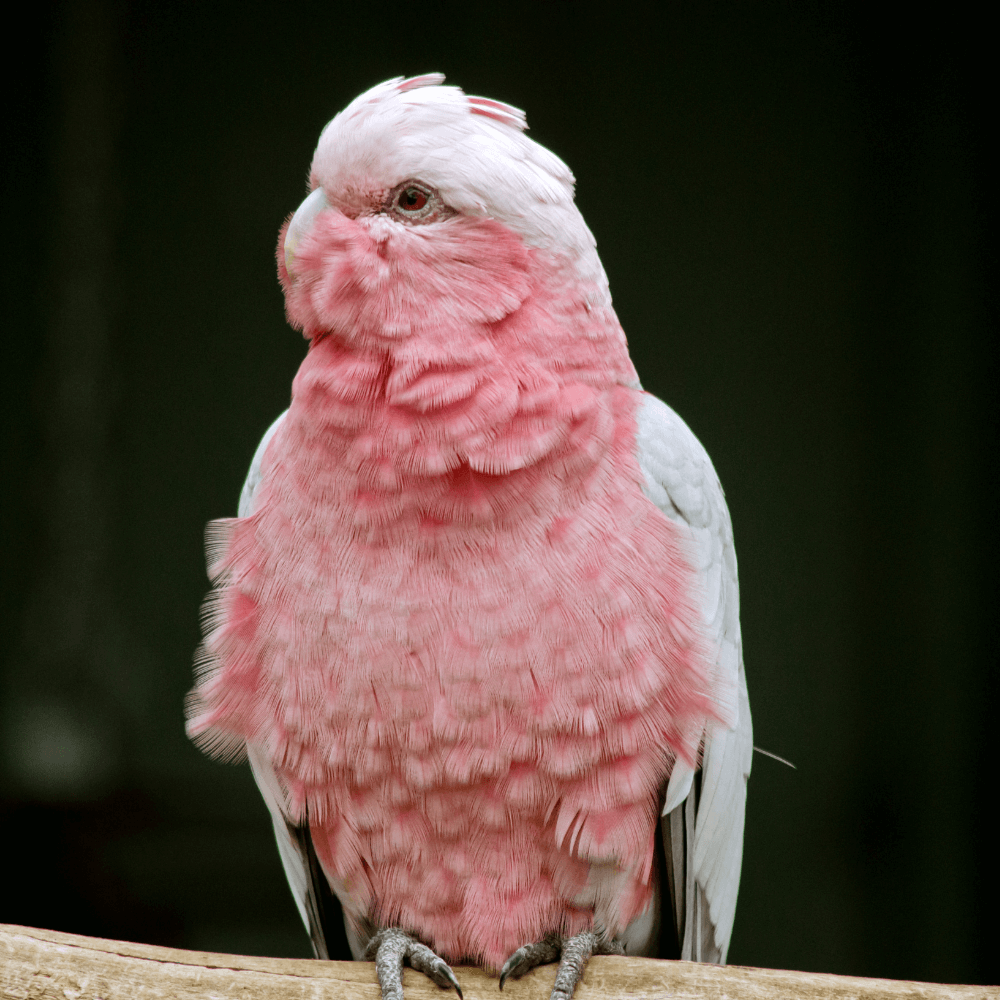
576 952
573 954
528 956
607 946
390 947
426 961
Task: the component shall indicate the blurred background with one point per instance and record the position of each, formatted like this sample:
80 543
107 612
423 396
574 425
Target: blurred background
789 200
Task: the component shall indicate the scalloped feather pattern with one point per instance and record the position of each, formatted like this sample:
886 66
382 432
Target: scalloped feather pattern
464 640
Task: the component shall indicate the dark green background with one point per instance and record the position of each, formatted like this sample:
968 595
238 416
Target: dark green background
790 204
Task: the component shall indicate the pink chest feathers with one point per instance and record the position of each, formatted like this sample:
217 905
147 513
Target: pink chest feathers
457 628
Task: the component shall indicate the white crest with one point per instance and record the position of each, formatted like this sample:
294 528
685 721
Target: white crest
472 149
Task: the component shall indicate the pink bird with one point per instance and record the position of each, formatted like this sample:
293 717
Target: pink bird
477 624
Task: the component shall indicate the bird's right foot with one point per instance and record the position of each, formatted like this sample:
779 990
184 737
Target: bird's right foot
391 947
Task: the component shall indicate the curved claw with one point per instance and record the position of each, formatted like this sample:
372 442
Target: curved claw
452 980
511 966
424 960
529 955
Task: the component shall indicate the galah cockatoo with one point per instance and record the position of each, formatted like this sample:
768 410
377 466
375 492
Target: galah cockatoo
476 625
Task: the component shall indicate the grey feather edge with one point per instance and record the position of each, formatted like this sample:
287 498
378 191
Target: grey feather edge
680 479
292 849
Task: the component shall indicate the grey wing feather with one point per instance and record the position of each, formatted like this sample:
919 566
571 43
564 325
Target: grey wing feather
703 813
331 936
248 494
311 889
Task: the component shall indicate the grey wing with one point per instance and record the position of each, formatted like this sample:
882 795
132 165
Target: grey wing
248 495
702 823
315 900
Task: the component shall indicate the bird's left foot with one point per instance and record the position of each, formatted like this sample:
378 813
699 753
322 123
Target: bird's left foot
573 954
391 947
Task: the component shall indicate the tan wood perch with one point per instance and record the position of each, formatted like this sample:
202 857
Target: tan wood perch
47 965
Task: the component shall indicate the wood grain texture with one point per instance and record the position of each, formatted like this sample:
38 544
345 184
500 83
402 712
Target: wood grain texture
48 965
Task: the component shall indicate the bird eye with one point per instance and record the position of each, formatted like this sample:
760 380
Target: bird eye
411 199
413 202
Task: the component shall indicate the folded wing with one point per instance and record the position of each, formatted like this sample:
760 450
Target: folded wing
702 822
317 905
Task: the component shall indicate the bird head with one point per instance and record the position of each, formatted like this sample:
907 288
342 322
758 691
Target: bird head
431 214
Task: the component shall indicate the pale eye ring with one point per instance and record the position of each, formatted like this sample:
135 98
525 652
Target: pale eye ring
413 201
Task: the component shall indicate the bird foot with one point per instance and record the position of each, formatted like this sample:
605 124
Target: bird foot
391 947
573 954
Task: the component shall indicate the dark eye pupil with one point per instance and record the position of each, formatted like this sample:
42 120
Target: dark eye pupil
412 199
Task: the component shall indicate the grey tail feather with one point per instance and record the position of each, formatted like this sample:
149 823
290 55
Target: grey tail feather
326 916
677 832
669 933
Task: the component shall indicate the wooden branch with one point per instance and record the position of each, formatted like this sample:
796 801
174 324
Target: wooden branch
48 965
